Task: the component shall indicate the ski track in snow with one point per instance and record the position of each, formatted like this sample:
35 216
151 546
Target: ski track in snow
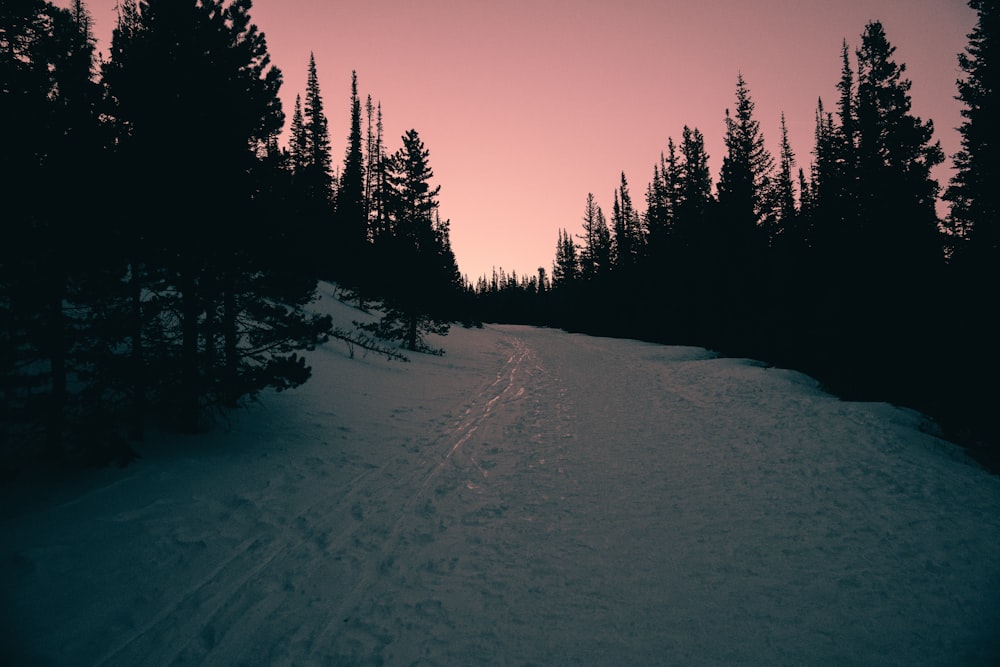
532 497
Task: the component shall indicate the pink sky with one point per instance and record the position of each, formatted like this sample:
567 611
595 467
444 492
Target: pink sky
528 105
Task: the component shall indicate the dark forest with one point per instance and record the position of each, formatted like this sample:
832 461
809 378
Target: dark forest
160 247
160 250
841 267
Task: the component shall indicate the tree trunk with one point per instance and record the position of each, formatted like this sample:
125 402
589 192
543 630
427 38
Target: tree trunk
137 379
411 334
189 395
231 389
56 342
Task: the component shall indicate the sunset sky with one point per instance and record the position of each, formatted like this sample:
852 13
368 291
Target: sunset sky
528 105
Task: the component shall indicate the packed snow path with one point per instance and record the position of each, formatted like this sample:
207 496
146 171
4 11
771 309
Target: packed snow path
532 497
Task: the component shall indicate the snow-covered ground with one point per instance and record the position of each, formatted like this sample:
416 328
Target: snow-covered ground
530 498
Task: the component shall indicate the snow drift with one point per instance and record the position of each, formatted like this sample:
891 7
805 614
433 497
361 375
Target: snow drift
531 497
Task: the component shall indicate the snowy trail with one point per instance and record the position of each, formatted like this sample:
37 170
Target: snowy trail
532 497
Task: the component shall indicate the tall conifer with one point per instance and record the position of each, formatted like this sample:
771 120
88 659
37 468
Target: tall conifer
896 156
298 144
419 274
974 234
745 208
746 179
974 217
352 219
317 136
784 190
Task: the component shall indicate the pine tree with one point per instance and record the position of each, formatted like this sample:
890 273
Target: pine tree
451 303
595 253
847 106
297 139
974 215
745 181
50 250
143 273
838 153
351 199
629 237
318 162
974 235
690 234
835 177
351 214
876 234
231 313
658 213
834 185
588 266
418 267
662 201
790 290
312 197
604 246
898 254
745 208
784 193
807 202
566 269
689 259
694 180
896 157
380 191
369 162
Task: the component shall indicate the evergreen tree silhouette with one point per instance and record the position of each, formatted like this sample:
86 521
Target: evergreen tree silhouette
370 148
690 258
662 197
745 208
849 282
785 210
833 229
747 170
694 181
897 264
973 223
566 269
836 179
378 183
974 213
418 277
790 262
352 217
315 186
629 237
595 252
50 254
318 172
144 272
229 312
298 143
896 156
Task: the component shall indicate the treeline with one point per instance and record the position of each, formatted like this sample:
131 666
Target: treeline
159 248
842 269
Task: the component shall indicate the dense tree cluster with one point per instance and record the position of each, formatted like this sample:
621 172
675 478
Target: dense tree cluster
159 249
843 269
420 292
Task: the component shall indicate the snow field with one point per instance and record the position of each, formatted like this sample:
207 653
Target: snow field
532 497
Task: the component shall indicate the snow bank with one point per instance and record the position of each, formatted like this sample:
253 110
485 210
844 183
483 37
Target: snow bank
532 497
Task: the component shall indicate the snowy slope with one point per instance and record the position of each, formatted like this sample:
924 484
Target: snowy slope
532 497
